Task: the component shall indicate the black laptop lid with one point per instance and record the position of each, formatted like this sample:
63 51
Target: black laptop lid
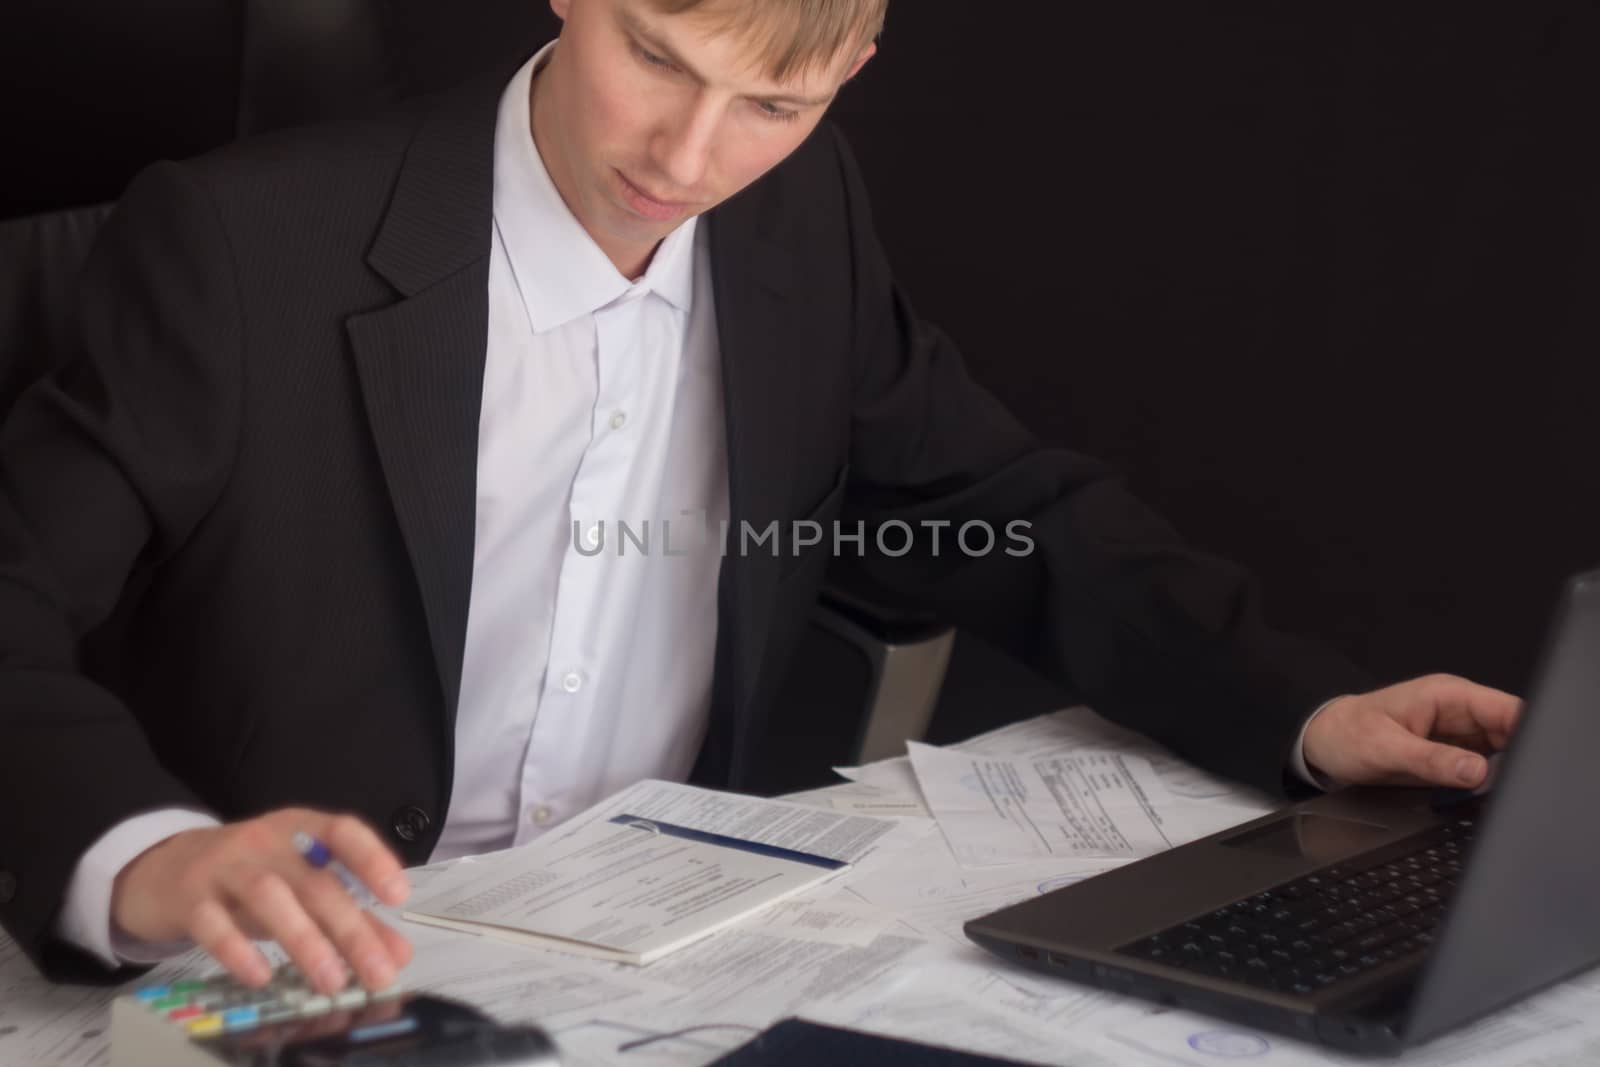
1525 913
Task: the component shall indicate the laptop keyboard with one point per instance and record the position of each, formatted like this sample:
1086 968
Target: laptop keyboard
1326 927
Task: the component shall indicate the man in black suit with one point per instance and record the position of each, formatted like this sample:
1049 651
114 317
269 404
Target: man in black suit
306 488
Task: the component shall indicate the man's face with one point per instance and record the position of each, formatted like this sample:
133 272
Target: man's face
645 120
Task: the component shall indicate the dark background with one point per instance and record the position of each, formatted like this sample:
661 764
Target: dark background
1323 279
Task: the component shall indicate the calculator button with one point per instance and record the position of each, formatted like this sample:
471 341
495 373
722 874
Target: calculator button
353 997
205 1025
239 1019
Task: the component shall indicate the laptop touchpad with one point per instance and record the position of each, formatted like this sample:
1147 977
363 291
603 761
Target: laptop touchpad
1318 838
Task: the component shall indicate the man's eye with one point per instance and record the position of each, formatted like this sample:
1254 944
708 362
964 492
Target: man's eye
776 113
653 59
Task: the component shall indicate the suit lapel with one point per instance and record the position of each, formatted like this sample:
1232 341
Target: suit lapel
420 361
751 280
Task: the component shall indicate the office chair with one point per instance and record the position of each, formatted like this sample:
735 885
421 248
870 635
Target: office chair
42 254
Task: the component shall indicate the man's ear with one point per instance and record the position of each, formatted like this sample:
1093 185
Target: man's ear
861 60
561 8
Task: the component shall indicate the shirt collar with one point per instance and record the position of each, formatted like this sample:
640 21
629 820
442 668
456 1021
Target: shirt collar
560 271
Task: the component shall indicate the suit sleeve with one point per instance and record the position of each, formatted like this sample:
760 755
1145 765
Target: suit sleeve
105 469
1109 600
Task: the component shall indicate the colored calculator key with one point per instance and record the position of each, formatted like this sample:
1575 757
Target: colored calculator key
215 1021
203 1009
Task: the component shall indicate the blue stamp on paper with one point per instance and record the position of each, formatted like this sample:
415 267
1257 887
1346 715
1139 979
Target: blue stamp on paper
1229 1045
1060 882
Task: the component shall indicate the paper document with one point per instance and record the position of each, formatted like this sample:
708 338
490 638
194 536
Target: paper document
625 889
1553 1029
839 920
936 895
835 835
1083 805
867 799
652 869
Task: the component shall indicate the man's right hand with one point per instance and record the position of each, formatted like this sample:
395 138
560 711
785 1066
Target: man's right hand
224 886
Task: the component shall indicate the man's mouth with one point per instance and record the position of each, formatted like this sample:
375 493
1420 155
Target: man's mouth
647 205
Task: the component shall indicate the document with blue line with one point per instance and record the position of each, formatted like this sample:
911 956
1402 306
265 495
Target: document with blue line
652 869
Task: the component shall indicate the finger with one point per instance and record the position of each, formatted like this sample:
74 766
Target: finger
1493 711
1401 752
397 944
369 859
1502 722
214 930
270 901
330 906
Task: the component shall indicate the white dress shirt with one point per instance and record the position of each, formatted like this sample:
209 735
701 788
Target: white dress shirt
584 671
602 403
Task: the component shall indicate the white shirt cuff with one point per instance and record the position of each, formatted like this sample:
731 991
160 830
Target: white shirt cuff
85 918
1297 756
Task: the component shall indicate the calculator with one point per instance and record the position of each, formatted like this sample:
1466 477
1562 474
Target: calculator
210 1022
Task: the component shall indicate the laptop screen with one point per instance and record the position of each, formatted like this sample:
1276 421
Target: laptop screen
1524 915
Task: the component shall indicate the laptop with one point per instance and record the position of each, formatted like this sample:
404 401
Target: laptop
1370 919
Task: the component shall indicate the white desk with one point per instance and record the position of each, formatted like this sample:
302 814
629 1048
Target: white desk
880 949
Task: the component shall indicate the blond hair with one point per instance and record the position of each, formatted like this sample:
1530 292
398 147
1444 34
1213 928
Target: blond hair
790 37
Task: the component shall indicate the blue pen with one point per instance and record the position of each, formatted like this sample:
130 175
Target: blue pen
317 854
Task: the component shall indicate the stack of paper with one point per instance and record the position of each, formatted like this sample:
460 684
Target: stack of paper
1066 786
652 869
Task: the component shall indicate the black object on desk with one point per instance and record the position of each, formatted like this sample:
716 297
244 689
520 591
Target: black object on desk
795 1042
215 1022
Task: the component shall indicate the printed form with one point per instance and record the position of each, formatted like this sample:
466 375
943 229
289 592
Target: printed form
652 869
1083 805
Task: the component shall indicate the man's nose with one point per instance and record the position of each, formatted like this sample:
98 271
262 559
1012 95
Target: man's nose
683 147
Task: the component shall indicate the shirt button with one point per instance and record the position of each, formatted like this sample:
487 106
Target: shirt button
541 815
572 681
618 418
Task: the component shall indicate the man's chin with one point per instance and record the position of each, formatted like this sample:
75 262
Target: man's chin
623 225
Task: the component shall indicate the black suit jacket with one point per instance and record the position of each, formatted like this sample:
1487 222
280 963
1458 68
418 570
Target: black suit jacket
236 532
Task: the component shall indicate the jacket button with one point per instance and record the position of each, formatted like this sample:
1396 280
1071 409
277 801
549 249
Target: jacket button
8 887
411 822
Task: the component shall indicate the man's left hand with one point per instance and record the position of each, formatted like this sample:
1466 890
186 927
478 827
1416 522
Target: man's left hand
1429 731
